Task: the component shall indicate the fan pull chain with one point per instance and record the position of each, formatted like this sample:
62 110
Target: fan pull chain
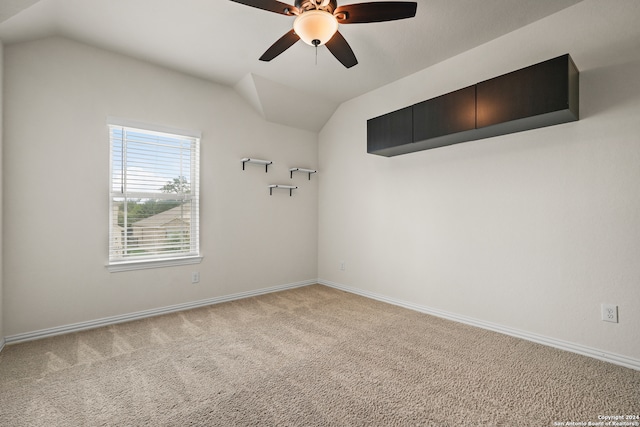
316 43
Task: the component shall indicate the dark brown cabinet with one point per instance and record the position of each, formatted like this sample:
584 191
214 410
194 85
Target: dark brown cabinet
541 95
388 134
544 94
444 120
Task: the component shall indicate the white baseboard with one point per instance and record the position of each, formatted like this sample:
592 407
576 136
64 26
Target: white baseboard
91 324
616 359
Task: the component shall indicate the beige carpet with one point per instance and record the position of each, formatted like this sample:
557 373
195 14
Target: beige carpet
312 356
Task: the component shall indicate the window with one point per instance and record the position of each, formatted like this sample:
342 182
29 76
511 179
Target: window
154 201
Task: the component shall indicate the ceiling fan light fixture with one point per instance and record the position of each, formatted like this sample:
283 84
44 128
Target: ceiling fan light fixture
315 25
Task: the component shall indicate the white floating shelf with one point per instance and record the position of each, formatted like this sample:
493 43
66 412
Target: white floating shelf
266 163
309 171
286 187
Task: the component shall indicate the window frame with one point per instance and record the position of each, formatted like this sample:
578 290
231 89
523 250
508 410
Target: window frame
156 261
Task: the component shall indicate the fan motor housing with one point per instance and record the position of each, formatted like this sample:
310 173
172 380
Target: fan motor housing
304 5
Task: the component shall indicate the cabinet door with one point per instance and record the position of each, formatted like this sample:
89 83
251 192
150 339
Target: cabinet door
445 115
532 91
388 133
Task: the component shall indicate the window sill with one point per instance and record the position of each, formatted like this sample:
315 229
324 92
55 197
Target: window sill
156 263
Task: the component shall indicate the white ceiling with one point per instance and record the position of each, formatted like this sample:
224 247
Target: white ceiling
221 41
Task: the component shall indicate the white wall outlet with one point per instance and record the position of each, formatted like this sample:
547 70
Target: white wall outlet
195 277
610 313
342 266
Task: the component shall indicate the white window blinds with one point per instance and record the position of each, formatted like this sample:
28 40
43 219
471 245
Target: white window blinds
154 195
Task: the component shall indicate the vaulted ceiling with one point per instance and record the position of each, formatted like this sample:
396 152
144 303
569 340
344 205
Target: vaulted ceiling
221 41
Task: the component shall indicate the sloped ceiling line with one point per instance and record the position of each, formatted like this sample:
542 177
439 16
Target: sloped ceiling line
221 41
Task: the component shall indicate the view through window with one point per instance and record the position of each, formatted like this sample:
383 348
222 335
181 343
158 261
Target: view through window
154 195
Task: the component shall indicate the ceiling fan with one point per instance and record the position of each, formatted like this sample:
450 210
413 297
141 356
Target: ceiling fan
317 22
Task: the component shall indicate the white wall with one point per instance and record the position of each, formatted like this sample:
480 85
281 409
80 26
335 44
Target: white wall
532 231
1 199
58 94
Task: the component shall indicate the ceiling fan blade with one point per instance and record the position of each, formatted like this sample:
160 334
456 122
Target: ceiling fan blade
271 6
360 13
283 43
339 47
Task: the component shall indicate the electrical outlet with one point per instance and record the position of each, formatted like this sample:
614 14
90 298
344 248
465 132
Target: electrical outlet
610 313
342 266
195 277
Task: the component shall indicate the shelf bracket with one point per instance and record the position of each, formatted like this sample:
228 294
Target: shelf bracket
286 187
307 171
266 163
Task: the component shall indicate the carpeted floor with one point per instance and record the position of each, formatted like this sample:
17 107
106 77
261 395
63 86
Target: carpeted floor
311 356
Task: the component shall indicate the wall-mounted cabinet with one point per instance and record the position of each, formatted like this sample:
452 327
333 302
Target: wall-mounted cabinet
541 95
444 120
389 133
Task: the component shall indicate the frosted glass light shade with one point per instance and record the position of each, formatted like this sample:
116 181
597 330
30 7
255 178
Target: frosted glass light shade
315 25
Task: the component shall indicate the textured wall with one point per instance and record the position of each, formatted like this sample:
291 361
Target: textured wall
532 230
1 199
59 94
